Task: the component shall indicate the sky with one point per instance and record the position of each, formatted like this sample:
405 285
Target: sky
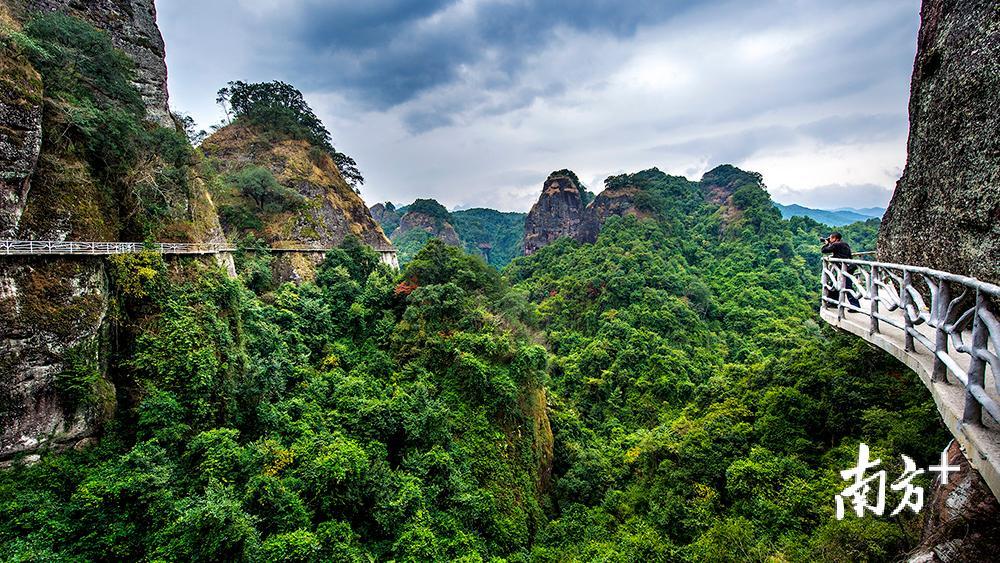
474 102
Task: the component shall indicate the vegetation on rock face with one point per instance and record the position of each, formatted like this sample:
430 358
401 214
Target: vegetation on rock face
497 236
258 184
279 107
664 393
697 410
93 110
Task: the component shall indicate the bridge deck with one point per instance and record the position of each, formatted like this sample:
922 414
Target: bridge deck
980 442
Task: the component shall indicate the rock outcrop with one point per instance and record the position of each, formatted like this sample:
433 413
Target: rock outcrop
557 213
20 131
962 520
55 385
132 27
386 216
615 201
945 212
53 318
427 216
331 209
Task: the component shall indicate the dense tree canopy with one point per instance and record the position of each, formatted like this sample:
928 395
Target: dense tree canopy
663 394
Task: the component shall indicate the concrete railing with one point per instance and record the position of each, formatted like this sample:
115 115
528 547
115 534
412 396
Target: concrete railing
68 247
942 325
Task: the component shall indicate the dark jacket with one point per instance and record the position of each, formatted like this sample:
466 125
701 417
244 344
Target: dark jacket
840 249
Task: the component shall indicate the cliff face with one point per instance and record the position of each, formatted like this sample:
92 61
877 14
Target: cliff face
20 134
329 211
962 520
615 201
55 381
386 216
945 212
557 213
132 27
561 210
434 222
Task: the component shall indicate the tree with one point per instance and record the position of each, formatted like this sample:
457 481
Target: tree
278 105
191 131
258 184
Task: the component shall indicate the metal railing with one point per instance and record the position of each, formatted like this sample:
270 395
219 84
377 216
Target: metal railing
70 247
34 247
961 315
31 247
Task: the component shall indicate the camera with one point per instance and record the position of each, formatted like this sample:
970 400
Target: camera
824 240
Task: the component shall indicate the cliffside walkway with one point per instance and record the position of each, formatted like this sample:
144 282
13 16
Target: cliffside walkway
944 327
67 247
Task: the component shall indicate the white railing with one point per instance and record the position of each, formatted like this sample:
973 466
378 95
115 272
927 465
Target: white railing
32 247
958 326
37 247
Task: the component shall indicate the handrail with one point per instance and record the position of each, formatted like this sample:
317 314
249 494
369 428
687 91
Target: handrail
30 247
966 328
986 287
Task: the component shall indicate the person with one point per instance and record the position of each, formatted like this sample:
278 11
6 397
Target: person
835 245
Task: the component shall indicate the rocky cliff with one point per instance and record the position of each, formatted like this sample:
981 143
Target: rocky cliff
132 27
962 521
945 212
618 199
561 210
21 131
386 216
55 185
427 216
326 210
557 213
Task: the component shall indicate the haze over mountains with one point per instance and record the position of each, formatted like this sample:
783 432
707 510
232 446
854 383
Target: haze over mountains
833 217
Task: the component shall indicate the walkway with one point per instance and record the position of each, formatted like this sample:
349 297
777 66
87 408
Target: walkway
952 342
66 247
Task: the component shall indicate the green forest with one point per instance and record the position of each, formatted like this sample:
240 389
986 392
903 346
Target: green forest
664 394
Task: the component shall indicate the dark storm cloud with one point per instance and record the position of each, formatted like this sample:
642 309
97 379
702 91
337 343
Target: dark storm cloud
387 52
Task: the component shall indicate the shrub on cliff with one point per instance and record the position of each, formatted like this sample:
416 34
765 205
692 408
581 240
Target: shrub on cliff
258 184
279 107
92 109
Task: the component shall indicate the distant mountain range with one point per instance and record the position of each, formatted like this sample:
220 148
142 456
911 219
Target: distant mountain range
834 218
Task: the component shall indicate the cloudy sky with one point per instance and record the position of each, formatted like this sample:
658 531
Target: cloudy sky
474 102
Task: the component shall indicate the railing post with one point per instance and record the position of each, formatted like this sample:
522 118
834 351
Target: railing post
940 306
873 301
904 300
822 282
840 290
973 413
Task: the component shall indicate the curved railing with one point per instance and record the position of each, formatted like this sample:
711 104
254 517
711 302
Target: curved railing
944 326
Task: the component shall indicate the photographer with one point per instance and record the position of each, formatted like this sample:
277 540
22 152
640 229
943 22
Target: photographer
835 245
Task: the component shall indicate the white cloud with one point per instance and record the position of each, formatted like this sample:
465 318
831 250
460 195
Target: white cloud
777 88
